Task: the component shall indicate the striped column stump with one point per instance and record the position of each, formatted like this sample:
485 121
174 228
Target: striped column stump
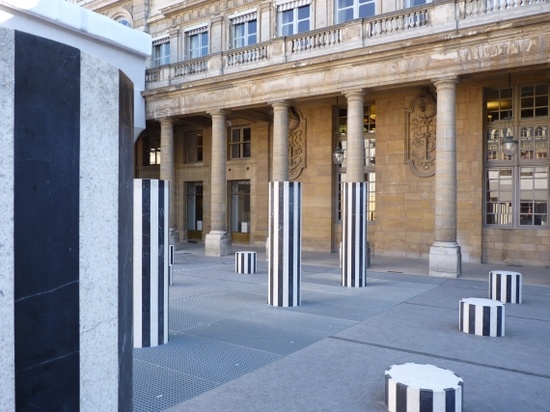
285 243
171 266
505 286
413 387
482 317
151 262
354 258
245 262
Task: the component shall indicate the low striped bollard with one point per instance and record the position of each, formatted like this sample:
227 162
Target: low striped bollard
245 262
482 317
505 286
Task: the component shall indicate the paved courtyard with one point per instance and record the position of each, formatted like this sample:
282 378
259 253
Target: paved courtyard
230 351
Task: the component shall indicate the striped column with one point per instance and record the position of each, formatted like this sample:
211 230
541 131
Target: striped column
505 286
285 243
415 387
66 238
151 262
245 262
482 317
354 234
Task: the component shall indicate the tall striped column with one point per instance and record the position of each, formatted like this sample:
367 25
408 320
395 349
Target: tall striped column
354 234
66 238
285 243
151 262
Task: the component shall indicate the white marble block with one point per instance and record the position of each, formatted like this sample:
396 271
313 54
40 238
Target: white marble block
505 286
245 262
412 387
482 317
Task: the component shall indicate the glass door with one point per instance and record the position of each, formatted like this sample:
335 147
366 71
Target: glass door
240 211
194 210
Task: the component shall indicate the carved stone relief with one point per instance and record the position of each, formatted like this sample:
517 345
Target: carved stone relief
296 143
420 135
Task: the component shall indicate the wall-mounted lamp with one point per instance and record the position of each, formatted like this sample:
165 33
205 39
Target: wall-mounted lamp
338 156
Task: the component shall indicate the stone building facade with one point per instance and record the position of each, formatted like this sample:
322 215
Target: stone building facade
422 96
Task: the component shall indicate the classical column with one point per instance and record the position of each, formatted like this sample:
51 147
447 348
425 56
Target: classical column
285 223
217 241
168 172
355 256
445 255
280 141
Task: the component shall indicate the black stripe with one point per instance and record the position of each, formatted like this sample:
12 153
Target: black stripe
499 287
289 197
508 288
280 243
271 232
125 241
450 400
352 228
298 218
460 315
162 244
46 224
146 262
518 289
387 387
344 247
427 401
486 321
401 397
500 326
491 294
471 319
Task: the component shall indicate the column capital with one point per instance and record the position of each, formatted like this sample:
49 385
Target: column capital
218 112
445 81
354 93
280 104
166 120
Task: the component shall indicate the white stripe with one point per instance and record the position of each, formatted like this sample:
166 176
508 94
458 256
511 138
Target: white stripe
285 245
138 230
413 399
154 259
479 320
167 251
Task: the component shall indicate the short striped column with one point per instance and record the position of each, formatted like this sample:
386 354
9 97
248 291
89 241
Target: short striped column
354 234
151 262
171 266
285 243
415 387
482 317
245 262
505 286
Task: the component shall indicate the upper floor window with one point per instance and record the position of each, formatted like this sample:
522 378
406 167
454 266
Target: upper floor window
244 30
240 143
517 185
293 18
413 3
151 150
197 42
193 147
353 9
124 21
161 51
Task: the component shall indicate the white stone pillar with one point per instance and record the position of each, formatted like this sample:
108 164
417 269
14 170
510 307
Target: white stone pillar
445 254
280 142
217 242
168 172
355 248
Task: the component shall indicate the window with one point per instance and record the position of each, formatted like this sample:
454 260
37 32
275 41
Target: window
244 30
151 151
293 19
353 9
197 43
413 3
516 187
240 143
194 210
124 21
161 52
369 130
193 147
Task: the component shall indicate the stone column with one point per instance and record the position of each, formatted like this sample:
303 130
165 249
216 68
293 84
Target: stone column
355 250
168 172
280 142
285 236
445 254
217 242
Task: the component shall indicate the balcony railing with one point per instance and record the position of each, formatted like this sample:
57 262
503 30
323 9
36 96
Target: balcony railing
361 33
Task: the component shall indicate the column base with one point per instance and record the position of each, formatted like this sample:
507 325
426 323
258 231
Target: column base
445 260
217 243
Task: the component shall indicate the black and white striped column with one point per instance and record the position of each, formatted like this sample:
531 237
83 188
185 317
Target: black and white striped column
354 234
285 243
66 238
482 317
505 286
246 262
151 262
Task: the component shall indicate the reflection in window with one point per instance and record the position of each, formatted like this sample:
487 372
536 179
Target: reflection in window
354 9
240 206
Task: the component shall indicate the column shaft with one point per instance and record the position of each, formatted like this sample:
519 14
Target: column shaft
355 149
218 190
280 142
167 165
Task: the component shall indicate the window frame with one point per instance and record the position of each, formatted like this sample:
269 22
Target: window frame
151 151
161 52
248 38
294 10
193 147
202 36
356 8
241 148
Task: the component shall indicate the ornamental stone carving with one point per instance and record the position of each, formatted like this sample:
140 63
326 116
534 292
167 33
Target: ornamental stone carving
420 135
296 143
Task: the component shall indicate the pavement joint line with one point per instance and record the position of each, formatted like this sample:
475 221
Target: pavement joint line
432 355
